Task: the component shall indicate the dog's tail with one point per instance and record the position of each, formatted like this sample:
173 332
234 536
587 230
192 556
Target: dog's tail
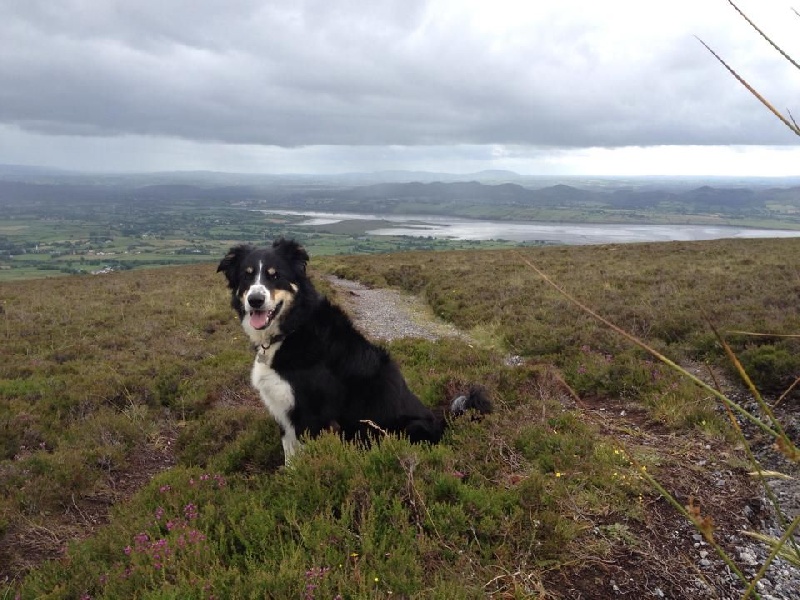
477 399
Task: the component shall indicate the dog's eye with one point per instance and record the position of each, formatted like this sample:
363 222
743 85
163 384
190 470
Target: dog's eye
272 274
249 270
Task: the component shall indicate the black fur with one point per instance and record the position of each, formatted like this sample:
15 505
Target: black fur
337 377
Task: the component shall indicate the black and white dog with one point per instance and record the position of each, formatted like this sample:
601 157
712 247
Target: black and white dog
314 370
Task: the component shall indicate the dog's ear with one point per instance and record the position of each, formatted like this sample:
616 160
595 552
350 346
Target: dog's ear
230 264
293 252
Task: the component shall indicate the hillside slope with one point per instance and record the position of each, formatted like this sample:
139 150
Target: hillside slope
128 424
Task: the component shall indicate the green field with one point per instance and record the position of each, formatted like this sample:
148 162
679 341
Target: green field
52 247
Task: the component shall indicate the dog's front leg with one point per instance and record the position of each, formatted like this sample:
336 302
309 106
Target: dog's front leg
291 445
278 397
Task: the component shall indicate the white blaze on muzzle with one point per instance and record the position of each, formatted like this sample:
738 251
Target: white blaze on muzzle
263 306
259 305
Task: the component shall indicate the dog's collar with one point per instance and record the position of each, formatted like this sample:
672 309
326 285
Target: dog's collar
262 348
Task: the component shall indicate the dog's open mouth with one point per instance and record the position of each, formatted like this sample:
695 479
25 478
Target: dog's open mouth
261 319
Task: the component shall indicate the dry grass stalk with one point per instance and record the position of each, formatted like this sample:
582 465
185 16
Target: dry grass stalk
788 121
764 35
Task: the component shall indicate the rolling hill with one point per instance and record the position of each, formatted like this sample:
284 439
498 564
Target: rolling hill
137 462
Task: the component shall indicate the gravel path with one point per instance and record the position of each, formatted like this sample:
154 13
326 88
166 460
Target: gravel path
384 314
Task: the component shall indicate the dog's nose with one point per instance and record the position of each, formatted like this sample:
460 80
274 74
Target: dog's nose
256 300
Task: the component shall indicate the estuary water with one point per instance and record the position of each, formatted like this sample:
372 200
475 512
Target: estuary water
532 231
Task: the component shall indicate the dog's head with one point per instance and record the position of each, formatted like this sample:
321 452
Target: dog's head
264 283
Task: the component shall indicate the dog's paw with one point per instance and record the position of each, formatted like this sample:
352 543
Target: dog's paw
476 399
458 406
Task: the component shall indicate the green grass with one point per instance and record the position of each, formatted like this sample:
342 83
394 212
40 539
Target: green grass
664 293
130 435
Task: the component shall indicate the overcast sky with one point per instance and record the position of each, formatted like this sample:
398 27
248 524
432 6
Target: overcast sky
544 87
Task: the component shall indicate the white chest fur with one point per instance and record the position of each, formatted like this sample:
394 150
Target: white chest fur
277 396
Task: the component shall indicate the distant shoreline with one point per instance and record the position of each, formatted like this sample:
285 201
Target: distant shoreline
459 228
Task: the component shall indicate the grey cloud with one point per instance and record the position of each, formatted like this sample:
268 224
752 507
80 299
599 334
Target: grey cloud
355 73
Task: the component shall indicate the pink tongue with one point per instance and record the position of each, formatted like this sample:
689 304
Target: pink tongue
258 319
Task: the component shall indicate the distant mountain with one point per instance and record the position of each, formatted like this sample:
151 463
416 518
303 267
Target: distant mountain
487 176
708 196
471 192
31 186
34 174
29 173
39 174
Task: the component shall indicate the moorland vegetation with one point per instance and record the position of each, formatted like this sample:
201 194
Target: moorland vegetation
136 461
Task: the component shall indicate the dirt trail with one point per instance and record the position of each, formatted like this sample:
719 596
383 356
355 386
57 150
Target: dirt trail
386 314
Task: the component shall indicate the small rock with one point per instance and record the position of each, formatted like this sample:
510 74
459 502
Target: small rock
748 557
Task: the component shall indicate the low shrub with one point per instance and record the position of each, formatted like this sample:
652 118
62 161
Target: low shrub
408 277
772 367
